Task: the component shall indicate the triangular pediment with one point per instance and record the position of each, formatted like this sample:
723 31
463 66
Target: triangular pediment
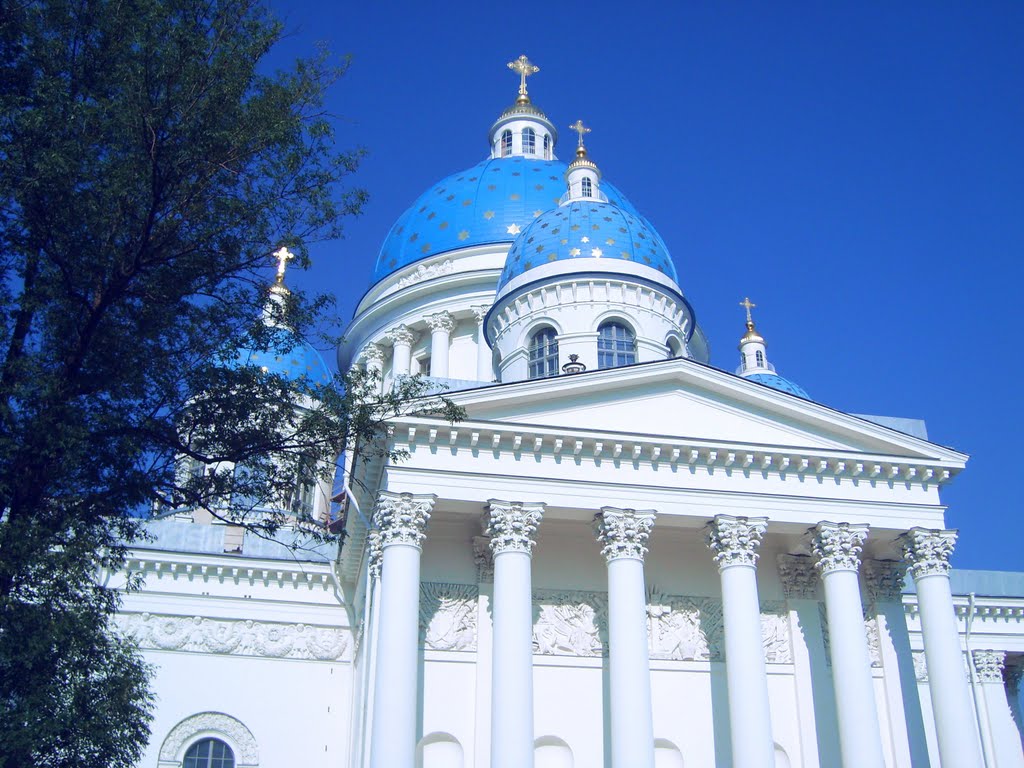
680 400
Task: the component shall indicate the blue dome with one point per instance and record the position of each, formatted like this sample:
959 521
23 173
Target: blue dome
586 230
777 382
488 203
302 363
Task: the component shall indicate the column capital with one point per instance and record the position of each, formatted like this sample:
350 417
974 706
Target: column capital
989 665
402 518
483 558
511 525
799 577
373 353
837 546
375 554
928 551
623 532
440 321
480 311
402 334
884 579
735 540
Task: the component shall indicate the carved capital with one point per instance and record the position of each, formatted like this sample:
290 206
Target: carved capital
440 321
837 546
375 553
402 518
483 558
735 540
511 525
884 580
928 551
989 665
623 532
480 312
799 577
373 355
402 334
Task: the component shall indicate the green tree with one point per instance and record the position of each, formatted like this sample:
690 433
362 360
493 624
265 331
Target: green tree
148 166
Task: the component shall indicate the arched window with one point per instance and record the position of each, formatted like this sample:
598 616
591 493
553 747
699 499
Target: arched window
675 349
543 354
209 753
547 147
616 345
302 496
588 187
506 143
529 141
759 358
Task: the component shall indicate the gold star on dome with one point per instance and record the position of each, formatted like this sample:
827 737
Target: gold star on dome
488 215
609 241
464 234
596 252
584 239
513 229
574 251
537 213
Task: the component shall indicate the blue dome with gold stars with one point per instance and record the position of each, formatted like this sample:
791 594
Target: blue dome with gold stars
492 202
301 363
588 229
775 381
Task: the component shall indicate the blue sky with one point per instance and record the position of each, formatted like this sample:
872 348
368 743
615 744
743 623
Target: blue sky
856 169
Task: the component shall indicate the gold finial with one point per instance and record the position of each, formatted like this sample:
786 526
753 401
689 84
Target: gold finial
283 256
581 129
748 305
524 68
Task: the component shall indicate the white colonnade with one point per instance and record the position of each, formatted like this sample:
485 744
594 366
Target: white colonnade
441 325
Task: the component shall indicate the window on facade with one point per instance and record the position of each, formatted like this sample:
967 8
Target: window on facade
588 187
759 358
506 143
547 147
616 345
543 354
209 753
529 141
301 501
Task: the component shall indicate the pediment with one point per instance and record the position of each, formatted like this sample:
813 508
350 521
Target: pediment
680 400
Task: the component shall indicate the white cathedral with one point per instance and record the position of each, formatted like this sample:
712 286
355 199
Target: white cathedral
622 557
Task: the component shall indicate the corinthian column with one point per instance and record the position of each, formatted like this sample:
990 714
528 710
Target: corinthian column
401 519
928 553
441 325
735 540
484 370
402 337
511 526
373 354
837 547
624 534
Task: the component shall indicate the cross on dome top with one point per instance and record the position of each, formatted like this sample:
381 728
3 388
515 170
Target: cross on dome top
524 68
283 256
748 305
581 129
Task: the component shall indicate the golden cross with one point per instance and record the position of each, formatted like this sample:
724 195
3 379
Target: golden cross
581 129
283 256
748 305
524 68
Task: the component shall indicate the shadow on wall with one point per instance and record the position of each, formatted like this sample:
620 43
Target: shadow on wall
551 752
439 750
667 754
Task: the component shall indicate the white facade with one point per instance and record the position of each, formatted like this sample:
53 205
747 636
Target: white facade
658 564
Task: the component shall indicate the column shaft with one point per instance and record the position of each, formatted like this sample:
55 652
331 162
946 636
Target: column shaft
735 541
624 533
402 338
441 325
484 366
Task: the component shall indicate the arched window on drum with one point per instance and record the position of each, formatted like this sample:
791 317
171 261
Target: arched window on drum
616 345
529 141
543 353
506 143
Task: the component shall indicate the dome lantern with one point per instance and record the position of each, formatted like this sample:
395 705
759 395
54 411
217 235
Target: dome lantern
523 130
754 363
582 177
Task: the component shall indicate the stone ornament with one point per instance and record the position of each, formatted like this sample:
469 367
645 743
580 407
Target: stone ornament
373 354
426 272
775 633
375 554
448 616
837 546
623 532
735 540
989 665
210 723
684 628
920 667
197 634
483 558
511 525
928 551
799 577
441 321
402 518
570 623
884 580
480 312
402 334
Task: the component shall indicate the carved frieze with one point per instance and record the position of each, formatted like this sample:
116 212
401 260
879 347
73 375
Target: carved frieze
198 634
570 623
684 628
920 667
448 616
775 633
427 272
884 580
799 577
